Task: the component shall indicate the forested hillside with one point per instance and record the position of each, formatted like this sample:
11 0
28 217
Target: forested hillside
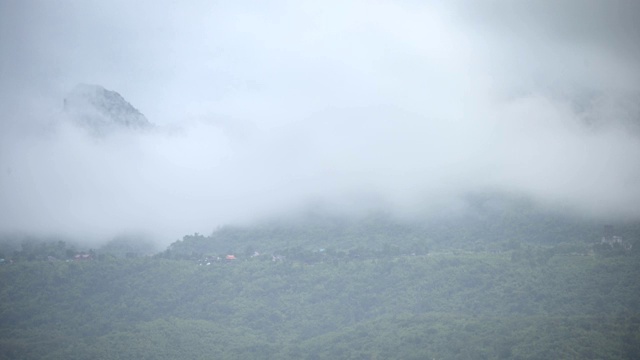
490 223
330 288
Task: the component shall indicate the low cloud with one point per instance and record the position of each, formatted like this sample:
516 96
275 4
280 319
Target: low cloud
384 104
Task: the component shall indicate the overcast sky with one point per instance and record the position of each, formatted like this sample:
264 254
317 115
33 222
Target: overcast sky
262 107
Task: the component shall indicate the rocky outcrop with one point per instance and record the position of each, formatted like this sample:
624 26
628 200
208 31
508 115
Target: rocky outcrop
102 111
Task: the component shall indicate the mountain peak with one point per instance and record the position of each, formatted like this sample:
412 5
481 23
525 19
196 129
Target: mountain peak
102 110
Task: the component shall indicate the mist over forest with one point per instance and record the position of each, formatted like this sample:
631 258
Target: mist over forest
167 151
265 109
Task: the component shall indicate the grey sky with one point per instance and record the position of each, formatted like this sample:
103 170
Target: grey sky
265 106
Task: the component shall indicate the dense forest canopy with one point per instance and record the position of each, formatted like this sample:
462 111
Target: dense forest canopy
512 282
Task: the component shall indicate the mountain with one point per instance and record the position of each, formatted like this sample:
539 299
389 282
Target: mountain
102 111
525 300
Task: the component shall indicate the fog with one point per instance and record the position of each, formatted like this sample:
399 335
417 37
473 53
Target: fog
261 109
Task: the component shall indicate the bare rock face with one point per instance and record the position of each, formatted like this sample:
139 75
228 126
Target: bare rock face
102 111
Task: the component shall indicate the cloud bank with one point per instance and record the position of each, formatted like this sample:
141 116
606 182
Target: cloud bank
263 108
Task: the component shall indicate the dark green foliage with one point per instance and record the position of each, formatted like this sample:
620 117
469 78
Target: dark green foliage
329 288
442 305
